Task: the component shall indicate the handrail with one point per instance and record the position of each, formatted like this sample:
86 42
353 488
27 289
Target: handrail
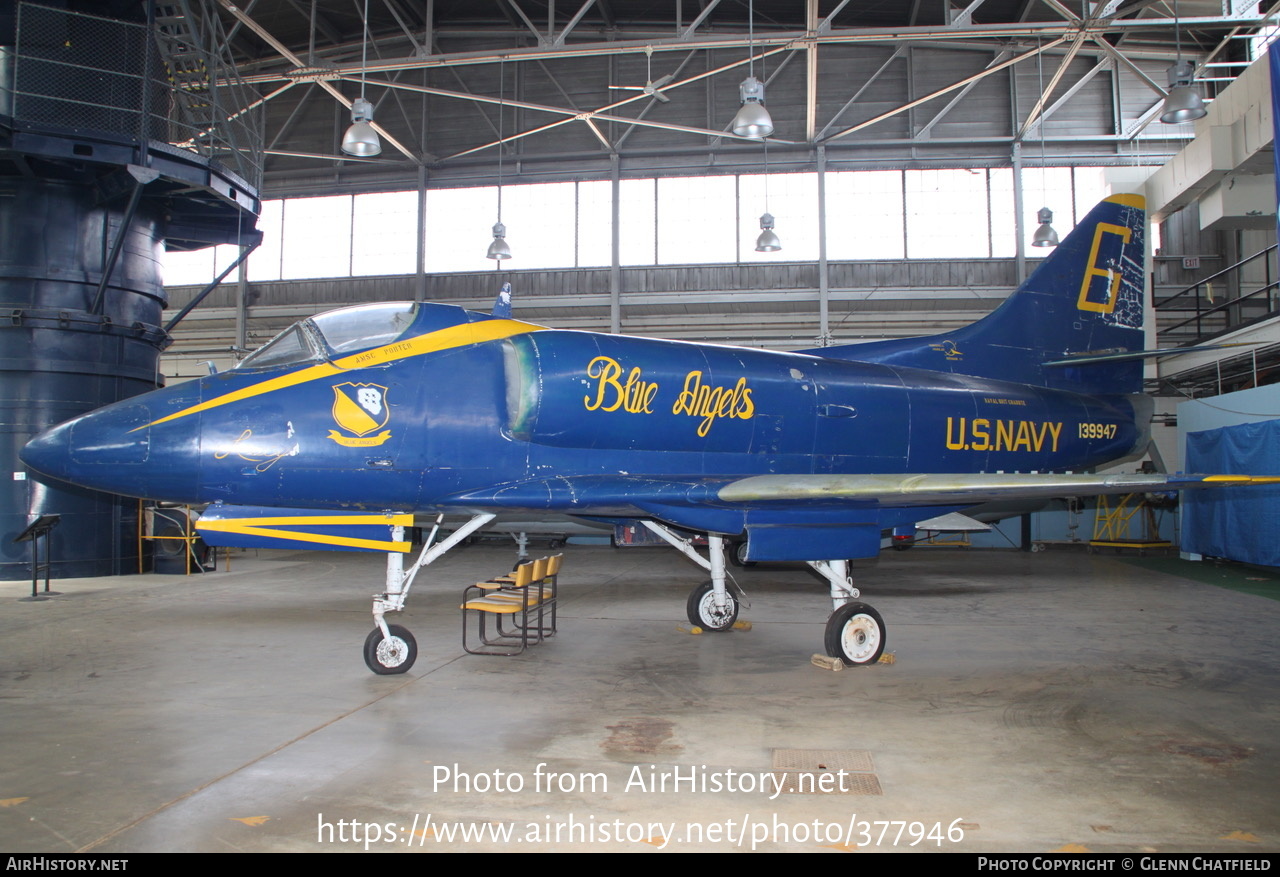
1226 304
1201 312
1212 277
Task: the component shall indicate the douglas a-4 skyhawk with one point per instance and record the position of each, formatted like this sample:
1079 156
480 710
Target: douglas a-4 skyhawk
346 425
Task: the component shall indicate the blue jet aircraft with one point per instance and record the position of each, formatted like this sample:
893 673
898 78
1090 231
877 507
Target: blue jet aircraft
353 421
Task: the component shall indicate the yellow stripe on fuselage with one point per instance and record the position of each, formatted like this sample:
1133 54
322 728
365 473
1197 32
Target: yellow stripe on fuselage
444 339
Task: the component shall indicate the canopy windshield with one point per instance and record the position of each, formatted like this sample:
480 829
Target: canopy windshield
334 334
364 326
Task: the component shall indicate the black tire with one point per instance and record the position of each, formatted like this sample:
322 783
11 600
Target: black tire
389 657
856 635
701 609
903 545
737 554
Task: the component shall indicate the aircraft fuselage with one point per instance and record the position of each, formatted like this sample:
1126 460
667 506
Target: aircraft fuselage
478 420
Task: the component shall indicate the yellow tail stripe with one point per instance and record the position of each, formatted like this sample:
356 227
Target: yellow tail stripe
1128 199
445 339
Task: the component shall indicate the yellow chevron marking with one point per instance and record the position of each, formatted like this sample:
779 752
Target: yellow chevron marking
253 527
444 339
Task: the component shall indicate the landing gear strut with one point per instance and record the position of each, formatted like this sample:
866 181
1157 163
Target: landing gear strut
711 606
389 648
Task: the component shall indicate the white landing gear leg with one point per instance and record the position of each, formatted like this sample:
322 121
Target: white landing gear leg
389 648
711 606
855 632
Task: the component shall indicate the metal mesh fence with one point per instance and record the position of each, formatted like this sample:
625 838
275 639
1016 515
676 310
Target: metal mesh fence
173 82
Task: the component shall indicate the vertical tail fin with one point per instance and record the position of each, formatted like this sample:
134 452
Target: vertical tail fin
502 304
1086 297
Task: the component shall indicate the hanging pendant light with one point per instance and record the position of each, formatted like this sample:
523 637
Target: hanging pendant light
361 139
1045 236
1184 103
498 250
752 119
768 241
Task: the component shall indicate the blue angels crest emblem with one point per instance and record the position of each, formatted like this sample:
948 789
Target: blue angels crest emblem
360 409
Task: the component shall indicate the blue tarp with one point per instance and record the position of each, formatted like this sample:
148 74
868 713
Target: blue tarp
1239 523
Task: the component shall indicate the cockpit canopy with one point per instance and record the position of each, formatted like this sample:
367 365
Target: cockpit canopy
334 334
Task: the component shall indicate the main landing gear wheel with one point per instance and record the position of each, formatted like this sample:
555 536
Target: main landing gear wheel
703 612
737 555
856 634
387 657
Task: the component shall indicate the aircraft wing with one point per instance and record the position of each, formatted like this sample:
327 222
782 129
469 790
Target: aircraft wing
786 517
892 491
604 494
802 517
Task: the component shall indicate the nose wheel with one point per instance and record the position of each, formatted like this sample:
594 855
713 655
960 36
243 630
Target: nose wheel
703 611
856 634
388 656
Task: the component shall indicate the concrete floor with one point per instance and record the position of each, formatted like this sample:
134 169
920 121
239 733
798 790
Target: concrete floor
1038 702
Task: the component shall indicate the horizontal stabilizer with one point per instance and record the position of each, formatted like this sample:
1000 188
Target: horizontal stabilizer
250 527
1124 355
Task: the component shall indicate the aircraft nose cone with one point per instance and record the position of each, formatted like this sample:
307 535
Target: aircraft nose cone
48 453
104 450
136 447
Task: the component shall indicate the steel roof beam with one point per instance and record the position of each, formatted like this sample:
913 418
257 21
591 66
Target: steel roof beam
573 22
789 40
926 130
947 90
289 56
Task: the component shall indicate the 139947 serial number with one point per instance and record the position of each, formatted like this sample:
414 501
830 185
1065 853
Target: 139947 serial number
1096 430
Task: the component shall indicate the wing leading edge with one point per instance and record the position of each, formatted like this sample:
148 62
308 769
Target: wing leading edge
894 491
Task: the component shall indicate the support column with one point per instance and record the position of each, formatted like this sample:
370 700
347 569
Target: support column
420 281
824 289
1019 230
615 245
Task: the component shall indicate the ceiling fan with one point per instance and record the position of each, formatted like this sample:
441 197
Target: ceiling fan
651 85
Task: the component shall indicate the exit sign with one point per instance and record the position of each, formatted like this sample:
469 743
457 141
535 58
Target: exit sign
1190 262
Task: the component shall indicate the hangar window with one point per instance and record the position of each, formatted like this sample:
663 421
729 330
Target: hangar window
941 213
317 237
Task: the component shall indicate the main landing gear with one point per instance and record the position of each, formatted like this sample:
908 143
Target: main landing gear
711 606
390 649
855 632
